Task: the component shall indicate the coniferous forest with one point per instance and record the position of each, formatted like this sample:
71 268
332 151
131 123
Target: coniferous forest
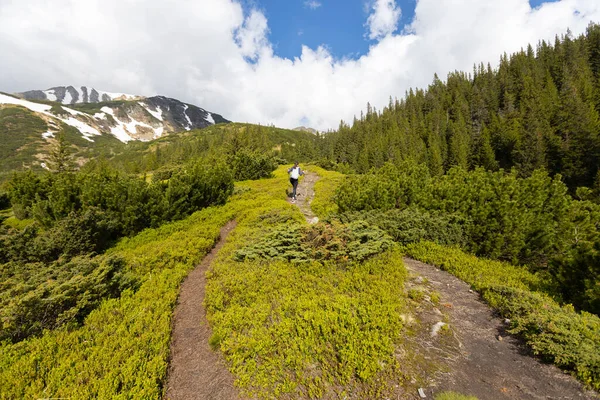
539 109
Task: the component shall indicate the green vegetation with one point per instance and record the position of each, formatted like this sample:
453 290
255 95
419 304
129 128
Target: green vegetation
313 328
531 221
50 275
92 256
21 137
121 349
280 324
323 204
558 333
453 396
539 109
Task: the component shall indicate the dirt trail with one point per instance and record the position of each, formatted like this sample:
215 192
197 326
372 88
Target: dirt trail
305 195
195 370
484 361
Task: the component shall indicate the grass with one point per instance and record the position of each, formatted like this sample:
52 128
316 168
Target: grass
323 204
14 222
452 396
285 330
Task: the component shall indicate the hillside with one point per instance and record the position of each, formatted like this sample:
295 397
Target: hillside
28 129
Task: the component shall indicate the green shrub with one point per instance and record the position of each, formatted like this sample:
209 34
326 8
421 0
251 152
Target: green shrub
4 201
38 296
386 188
197 186
356 241
413 225
248 164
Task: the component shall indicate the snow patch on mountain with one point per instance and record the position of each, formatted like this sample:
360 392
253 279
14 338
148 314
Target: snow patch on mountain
124 130
50 95
187 117
85 129
156 114
4 99
210 118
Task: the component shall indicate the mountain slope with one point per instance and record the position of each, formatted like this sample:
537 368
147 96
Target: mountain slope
74 95
127 120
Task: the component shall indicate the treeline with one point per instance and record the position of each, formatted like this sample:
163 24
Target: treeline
539 109
234 143
529 221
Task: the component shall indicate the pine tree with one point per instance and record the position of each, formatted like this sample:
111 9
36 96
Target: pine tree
60 157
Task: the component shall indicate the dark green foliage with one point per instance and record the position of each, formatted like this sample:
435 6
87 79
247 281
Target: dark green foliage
4 201
413 225
247 164
197 186
387 188
531 221
38 296
87 211
539 109
356 241
579 276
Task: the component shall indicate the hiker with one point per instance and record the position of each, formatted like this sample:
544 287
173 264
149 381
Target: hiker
295 173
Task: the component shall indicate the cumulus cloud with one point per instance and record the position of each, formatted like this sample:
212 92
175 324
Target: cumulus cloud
213 54
383 20
312 4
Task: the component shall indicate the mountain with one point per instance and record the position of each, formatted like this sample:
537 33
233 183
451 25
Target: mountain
305 129
74 95
124 116
108 128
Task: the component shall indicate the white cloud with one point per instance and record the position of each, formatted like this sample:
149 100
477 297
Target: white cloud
212 54
252 36
384 19
312 4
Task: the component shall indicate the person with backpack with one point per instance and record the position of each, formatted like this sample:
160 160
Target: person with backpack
295 173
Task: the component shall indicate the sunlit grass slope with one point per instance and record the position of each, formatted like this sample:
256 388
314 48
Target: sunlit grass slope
311 328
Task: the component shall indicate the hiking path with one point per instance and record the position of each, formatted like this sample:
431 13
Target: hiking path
195 370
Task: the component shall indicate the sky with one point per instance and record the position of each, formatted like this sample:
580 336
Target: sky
281 62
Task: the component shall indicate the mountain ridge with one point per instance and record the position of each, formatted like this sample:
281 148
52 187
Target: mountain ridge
126 117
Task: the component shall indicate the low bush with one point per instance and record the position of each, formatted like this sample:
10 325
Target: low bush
248 164
88 211
412 225
356 241
39 296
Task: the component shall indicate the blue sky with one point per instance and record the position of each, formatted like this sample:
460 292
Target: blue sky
337 24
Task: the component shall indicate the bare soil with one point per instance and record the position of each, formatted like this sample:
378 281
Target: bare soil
305 194
195 370
479 357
